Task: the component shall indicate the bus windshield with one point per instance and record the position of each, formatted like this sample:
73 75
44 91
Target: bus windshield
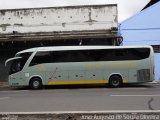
17 63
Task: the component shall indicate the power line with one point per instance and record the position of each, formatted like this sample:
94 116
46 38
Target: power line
141 29
141 40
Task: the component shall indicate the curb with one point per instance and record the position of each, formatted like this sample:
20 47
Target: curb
155 82
83 115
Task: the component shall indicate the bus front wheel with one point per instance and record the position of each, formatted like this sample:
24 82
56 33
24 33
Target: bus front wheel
115 81
35 83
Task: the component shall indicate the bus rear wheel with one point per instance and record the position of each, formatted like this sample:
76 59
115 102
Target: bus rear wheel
115 81
35 83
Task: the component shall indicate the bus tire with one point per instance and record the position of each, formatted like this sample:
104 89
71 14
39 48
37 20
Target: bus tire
35 83
115 81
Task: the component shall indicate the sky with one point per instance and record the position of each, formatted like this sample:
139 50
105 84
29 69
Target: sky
126 8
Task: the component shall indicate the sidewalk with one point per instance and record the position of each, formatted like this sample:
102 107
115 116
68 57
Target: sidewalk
156 81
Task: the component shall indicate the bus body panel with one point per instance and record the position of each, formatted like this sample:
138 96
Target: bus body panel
94 72
78 73
17 79
140 68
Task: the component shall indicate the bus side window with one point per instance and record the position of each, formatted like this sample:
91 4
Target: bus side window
142 53
86 56
122 54
107 55
71 56
119 53
58 56
41 57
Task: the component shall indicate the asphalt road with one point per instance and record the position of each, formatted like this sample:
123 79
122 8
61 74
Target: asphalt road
78 98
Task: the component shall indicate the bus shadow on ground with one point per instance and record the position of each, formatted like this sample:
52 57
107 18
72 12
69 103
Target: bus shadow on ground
51 87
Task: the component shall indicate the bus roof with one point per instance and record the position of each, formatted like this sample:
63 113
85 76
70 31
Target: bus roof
59 48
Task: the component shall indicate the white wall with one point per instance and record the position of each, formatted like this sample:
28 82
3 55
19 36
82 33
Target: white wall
77 18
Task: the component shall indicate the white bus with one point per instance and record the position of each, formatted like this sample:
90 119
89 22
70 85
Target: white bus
70 65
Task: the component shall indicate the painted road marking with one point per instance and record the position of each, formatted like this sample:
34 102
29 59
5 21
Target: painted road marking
135 95
17 91
4 98
74 112
134 88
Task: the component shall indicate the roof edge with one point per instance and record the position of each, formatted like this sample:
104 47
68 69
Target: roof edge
141 12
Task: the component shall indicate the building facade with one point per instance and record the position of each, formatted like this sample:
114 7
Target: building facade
56 26
144 29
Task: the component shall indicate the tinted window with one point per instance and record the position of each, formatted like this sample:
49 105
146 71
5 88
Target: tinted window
17 65
139 53
26 55
41 57
123 54
101 55
90 55
72 56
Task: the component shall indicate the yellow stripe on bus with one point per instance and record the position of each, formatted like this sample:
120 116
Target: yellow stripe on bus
124 81
78 82
73 82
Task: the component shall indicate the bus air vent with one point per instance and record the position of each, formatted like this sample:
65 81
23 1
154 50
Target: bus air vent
143 75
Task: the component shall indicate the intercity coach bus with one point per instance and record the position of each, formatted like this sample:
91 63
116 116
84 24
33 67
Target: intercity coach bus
70 65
